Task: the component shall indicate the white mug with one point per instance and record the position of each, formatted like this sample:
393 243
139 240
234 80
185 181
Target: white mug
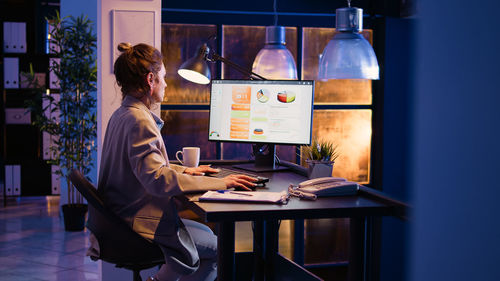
190 156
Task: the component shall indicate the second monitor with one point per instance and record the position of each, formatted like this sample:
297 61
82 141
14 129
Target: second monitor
262 112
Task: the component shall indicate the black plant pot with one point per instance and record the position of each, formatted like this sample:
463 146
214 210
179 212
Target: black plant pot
74 216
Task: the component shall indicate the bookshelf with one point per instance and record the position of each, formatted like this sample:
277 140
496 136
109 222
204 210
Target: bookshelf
23 169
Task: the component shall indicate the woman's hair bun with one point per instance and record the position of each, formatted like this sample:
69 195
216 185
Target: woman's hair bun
123 47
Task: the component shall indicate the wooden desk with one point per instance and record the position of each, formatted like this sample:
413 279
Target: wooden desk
269 265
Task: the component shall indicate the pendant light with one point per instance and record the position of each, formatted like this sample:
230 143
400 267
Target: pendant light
348 55
275 61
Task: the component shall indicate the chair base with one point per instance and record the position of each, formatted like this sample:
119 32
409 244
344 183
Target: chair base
137 268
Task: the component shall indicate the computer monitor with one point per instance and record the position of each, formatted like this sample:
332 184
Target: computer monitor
261 112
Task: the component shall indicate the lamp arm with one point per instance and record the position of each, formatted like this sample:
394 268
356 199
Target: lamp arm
216 57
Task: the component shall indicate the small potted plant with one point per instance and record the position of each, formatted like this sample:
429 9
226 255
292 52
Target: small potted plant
320 157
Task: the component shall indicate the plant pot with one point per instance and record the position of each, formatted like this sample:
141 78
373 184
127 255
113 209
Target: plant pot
319 169
74 216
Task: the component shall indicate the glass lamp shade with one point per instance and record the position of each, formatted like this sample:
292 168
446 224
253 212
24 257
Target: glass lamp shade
275 62
348 56
196 68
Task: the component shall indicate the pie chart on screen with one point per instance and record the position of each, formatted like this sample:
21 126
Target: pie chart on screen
263 95
286 97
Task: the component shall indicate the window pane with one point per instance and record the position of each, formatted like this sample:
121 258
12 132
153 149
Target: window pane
179 43
331 91
351 130
187 128
286 153
242 43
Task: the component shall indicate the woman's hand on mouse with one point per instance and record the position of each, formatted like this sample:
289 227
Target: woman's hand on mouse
240 182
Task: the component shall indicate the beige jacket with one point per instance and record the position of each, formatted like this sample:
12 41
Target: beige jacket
137 181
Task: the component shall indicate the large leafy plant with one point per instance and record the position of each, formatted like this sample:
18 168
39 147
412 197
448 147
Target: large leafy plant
71 118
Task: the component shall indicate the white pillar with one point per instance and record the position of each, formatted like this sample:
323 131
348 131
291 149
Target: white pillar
120 21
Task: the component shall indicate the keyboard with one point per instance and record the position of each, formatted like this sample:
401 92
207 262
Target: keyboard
224 172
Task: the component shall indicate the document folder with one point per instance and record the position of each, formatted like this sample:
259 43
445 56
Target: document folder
14 37
7 37
11 73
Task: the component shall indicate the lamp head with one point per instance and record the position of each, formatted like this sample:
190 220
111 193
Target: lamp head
349 19
275 34
196 68
348 55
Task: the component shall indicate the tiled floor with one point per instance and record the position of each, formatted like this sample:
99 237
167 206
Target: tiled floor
34 245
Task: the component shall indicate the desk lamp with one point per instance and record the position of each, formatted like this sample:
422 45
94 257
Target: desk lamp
196 69
348 55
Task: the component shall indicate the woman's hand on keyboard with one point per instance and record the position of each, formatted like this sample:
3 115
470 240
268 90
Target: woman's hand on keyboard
240 182
200 170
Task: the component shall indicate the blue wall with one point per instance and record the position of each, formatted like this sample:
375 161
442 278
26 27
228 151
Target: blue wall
398 90
76 8
455 154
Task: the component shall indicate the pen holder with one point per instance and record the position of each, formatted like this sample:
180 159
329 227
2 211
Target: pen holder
319 169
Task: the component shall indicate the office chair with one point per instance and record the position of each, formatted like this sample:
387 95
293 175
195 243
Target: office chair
118 243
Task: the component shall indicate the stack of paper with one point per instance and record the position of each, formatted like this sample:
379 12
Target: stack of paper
245 196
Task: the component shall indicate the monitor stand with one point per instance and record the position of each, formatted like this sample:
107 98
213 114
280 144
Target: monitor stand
265 155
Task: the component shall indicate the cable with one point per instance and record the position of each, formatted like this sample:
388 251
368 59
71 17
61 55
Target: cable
275 13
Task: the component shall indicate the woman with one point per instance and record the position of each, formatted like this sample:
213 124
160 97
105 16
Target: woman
138 182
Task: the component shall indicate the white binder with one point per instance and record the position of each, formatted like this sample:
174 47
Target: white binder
16 180
47 139
50 107
53 48
8 180
11 73
7 37
21 29
53 80
46 142
55 181
16 35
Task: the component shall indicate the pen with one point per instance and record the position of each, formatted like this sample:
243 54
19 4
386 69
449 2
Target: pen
234 192
239 193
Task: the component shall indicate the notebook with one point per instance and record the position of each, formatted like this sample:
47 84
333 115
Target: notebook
246 196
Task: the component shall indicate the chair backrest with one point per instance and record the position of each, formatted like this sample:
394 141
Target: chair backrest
118 243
